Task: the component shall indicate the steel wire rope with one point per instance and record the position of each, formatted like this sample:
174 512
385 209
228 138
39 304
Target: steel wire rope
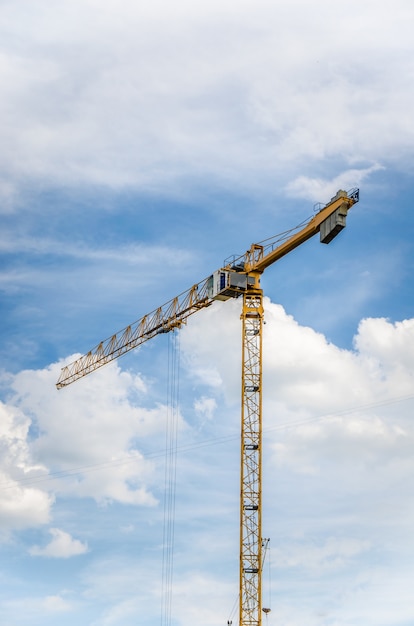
170 477
269 582
270 242
233 611
93 467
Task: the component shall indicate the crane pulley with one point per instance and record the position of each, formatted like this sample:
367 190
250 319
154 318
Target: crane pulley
239 277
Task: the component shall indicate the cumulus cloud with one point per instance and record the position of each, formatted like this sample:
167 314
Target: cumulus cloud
322 405
62 546
299 362
388 345
83 443
21 504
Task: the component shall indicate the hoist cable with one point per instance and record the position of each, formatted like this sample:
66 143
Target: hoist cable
170 476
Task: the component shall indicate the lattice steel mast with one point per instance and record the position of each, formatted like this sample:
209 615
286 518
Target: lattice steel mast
240 277
251 459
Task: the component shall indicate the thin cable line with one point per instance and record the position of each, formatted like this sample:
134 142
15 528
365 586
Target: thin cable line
170 478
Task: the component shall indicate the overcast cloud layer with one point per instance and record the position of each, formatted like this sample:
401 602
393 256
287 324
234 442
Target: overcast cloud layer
238 93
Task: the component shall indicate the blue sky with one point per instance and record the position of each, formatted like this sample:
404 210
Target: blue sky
140 146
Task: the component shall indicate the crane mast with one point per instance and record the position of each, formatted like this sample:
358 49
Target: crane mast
238 278
250 562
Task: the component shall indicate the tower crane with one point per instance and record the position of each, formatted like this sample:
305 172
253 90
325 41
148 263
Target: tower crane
239 277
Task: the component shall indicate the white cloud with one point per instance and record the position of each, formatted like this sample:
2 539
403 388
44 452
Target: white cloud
62 546
21 505
320 189
338 420
210 347
134 254
82 444
205 407
56 604
390 346
142 98
306 378
334 553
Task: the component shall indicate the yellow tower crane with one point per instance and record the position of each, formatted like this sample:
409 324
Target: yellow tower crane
238 278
